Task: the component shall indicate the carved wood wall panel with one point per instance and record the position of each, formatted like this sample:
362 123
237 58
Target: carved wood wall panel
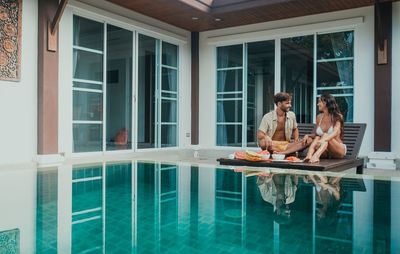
10 39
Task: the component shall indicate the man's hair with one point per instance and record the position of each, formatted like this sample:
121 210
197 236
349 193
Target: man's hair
280 97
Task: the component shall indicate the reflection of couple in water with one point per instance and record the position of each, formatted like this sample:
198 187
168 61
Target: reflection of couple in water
280 189
328 194
279 126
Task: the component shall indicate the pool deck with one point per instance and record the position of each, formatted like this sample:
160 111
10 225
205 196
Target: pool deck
189 156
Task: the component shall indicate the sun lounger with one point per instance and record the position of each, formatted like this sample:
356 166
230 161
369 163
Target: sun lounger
353 135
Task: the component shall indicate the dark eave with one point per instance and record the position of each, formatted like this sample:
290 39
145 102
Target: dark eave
203 15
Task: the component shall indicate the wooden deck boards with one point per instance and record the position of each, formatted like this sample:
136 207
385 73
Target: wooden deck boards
323 165
353 136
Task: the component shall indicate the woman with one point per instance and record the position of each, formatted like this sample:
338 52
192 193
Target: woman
328 136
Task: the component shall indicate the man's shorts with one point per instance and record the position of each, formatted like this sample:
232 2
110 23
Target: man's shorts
282 145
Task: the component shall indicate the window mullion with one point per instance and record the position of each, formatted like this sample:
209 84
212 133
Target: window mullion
104 84
314 108
277 79
244 98
159 69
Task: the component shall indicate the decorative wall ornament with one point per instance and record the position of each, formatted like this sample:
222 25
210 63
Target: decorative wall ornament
9 241
10 39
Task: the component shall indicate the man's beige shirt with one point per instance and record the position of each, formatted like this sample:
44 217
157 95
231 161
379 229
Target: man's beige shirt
270 121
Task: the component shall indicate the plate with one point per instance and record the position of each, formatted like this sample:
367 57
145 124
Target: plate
296 161
280 160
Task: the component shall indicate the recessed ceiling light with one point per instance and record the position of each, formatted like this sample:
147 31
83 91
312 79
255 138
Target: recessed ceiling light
217 19
195 18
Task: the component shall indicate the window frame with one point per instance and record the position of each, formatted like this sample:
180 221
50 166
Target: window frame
106 18
277 78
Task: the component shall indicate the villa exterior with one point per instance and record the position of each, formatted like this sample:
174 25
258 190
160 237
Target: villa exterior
122 82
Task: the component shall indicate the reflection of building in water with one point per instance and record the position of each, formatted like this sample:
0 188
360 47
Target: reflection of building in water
96 212
87 209
46 211
155 207
230 207
326 222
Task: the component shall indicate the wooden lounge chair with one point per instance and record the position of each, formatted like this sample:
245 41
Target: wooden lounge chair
353 135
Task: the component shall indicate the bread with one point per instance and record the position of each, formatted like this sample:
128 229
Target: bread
250 155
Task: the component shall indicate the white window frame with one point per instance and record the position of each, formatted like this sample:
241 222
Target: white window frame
106 18
277 35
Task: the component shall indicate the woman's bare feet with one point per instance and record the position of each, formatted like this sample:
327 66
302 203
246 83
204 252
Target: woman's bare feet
314 159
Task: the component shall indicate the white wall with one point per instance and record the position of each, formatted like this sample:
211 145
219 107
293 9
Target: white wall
103 11
18 205
396 78
364 61
18 100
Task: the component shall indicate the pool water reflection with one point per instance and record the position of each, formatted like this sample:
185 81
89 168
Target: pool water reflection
137 207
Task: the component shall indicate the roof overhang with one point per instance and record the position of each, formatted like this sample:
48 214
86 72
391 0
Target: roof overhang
203 15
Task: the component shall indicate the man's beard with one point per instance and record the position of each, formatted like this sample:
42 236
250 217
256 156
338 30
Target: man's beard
284 109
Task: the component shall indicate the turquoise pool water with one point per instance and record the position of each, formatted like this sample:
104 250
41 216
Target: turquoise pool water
137 207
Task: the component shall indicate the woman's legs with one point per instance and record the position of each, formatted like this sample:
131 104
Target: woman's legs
336 149
312 149
322 147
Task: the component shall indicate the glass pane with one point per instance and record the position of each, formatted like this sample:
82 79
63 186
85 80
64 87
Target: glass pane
229 111
337 73
297 68
88 33
87 85
168 135
169 79
260 85
229 56
87 106
168 95
228 81
119 88
346 107
252 126
229 135
230 95
336 91
87 65
168 111
87 137
335 45
169 54
146 91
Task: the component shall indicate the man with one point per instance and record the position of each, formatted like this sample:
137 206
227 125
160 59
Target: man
278 126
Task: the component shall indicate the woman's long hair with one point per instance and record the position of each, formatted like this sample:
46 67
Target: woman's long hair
334 111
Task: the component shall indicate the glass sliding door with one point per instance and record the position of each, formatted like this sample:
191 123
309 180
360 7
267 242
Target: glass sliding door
157 93
88 50
297 74
147 80
243 71
169 95
119 89
335 67
229 95
260 85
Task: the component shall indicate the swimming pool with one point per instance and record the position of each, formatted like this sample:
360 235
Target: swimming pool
151 207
